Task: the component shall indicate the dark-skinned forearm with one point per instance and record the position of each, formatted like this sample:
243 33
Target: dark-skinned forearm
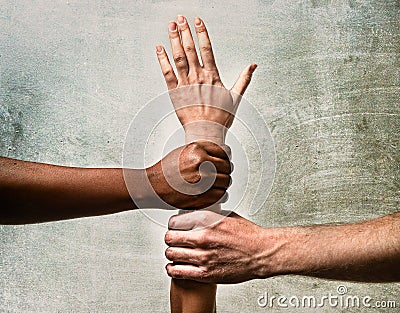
35 192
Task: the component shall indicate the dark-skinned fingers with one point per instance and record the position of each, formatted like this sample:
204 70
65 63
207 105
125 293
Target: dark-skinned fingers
188 43
178 53
222 166
220 151
166 68
222 181
212 197
223 198
206 53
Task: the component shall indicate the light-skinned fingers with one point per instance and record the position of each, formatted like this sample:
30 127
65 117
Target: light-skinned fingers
177 51
180 271
188 43
184 255
206 53
192 220
176 238
184 221
244 79
166 68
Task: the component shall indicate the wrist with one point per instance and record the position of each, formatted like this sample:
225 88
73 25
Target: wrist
139 188
282 252
205 130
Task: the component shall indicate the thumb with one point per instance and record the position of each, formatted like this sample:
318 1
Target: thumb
244 79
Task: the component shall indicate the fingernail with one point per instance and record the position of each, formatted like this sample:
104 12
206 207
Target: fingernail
253 67
159 49
172 26
197 21
181 20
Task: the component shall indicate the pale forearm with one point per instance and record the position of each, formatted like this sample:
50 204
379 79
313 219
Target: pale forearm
368 251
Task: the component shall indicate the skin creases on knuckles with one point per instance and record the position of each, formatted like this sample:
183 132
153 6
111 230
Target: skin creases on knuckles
190 177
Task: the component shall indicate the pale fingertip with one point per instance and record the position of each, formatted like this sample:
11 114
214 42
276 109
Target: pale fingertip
168 269
198 22
181 20
172 27
159 49
253 67
172 222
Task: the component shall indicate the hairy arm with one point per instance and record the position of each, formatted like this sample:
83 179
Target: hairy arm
236 250
368 251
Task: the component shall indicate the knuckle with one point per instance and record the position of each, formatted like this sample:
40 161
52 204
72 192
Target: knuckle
206 49
200 29
195 159
183 27
195 78
246 78
205 220
171 271
201 218
202 238
228 150
212 76
205 274
167 72
231 167
217 82
189 49
179 59
195 178
204 258
194 146
219 193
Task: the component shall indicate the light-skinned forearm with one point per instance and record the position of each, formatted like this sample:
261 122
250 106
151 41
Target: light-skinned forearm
367 251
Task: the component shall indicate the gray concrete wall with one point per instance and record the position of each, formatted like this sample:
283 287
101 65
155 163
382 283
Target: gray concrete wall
73 74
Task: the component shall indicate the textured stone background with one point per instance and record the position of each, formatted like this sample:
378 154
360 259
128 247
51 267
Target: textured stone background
74 73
